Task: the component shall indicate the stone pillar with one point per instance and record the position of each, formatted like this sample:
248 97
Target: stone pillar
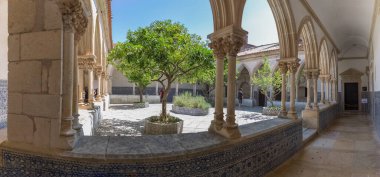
67 78
231 90
76 125
308 86
293 66
217 123
134 89
80 85
315 89
328 90
334 93
323 101
251 92
99 75
284 69
90 73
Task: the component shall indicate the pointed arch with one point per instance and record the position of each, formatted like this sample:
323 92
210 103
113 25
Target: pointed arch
227 12
324 57
333 65
306 33
85 46
286 28
97 41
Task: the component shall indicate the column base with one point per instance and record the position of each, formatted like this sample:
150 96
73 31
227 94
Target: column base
283 114
99 98
226 131
292 115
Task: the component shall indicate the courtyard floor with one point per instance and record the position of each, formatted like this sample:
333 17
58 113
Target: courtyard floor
124 120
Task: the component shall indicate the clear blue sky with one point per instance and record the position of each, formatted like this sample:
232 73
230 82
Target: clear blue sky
196 15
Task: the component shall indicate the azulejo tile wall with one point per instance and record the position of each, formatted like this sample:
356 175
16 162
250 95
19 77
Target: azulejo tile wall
328 116
252 157
3 103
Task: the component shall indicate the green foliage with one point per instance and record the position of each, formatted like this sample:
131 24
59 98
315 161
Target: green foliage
189 101
164 52
268 81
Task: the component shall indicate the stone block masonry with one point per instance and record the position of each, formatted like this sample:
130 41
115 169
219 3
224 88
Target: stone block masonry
3 103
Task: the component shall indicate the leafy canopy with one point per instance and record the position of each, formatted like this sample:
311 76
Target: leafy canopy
267 81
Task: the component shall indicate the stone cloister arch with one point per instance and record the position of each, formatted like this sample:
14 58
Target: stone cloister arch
306 33
333 89
324 67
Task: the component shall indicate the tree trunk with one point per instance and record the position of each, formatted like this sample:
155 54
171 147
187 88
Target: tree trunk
165 101
141 90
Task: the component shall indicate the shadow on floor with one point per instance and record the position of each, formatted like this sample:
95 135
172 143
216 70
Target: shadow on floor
117 127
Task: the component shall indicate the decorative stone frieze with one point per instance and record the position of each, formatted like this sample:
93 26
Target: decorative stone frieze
73 16
87 62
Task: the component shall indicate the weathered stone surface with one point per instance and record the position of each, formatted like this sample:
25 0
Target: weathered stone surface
42 105
22 16
25 77
154 128
189 111
41 45
41 134
20 128
14 103
53 19
14 47
54 79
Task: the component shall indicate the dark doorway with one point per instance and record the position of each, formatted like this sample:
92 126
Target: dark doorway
278 96
351 96
261 99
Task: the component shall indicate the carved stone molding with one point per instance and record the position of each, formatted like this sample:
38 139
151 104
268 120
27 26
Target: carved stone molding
217 46
99 70
73 16
87 62
232 44
293 66
283 66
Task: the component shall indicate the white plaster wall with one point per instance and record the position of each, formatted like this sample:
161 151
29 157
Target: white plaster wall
118 80
3 39
358 64
376 52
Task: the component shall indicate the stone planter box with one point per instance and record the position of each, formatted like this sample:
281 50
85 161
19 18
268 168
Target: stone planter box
271 111
189 111
141 105
155 128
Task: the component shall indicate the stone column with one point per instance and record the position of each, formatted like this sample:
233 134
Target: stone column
251 92
134 89
90 73
328 91
308 98
67 77
217 123
323 101
333 82
99 75
76 125
293 66
284 69
80 86
315 89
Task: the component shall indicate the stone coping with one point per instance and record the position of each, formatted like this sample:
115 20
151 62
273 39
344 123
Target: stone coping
323 107
170 147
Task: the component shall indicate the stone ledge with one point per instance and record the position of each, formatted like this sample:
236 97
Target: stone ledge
263 146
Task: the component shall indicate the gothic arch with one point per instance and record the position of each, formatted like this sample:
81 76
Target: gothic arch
242 67
333 65
227 12
85 46
286 28
306 33
324 57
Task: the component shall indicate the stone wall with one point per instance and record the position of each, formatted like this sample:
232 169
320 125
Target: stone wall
3 103
254 155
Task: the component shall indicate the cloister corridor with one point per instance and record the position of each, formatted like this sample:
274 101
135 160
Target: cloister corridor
347 149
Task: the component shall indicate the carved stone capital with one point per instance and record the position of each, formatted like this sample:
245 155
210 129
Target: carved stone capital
87 62
99 70
73 16
217 46
309 75
293 66
283 66
232 44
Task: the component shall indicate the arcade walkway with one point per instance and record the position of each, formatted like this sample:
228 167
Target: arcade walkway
347 149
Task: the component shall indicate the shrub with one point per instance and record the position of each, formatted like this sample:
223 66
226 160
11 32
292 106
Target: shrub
189 101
